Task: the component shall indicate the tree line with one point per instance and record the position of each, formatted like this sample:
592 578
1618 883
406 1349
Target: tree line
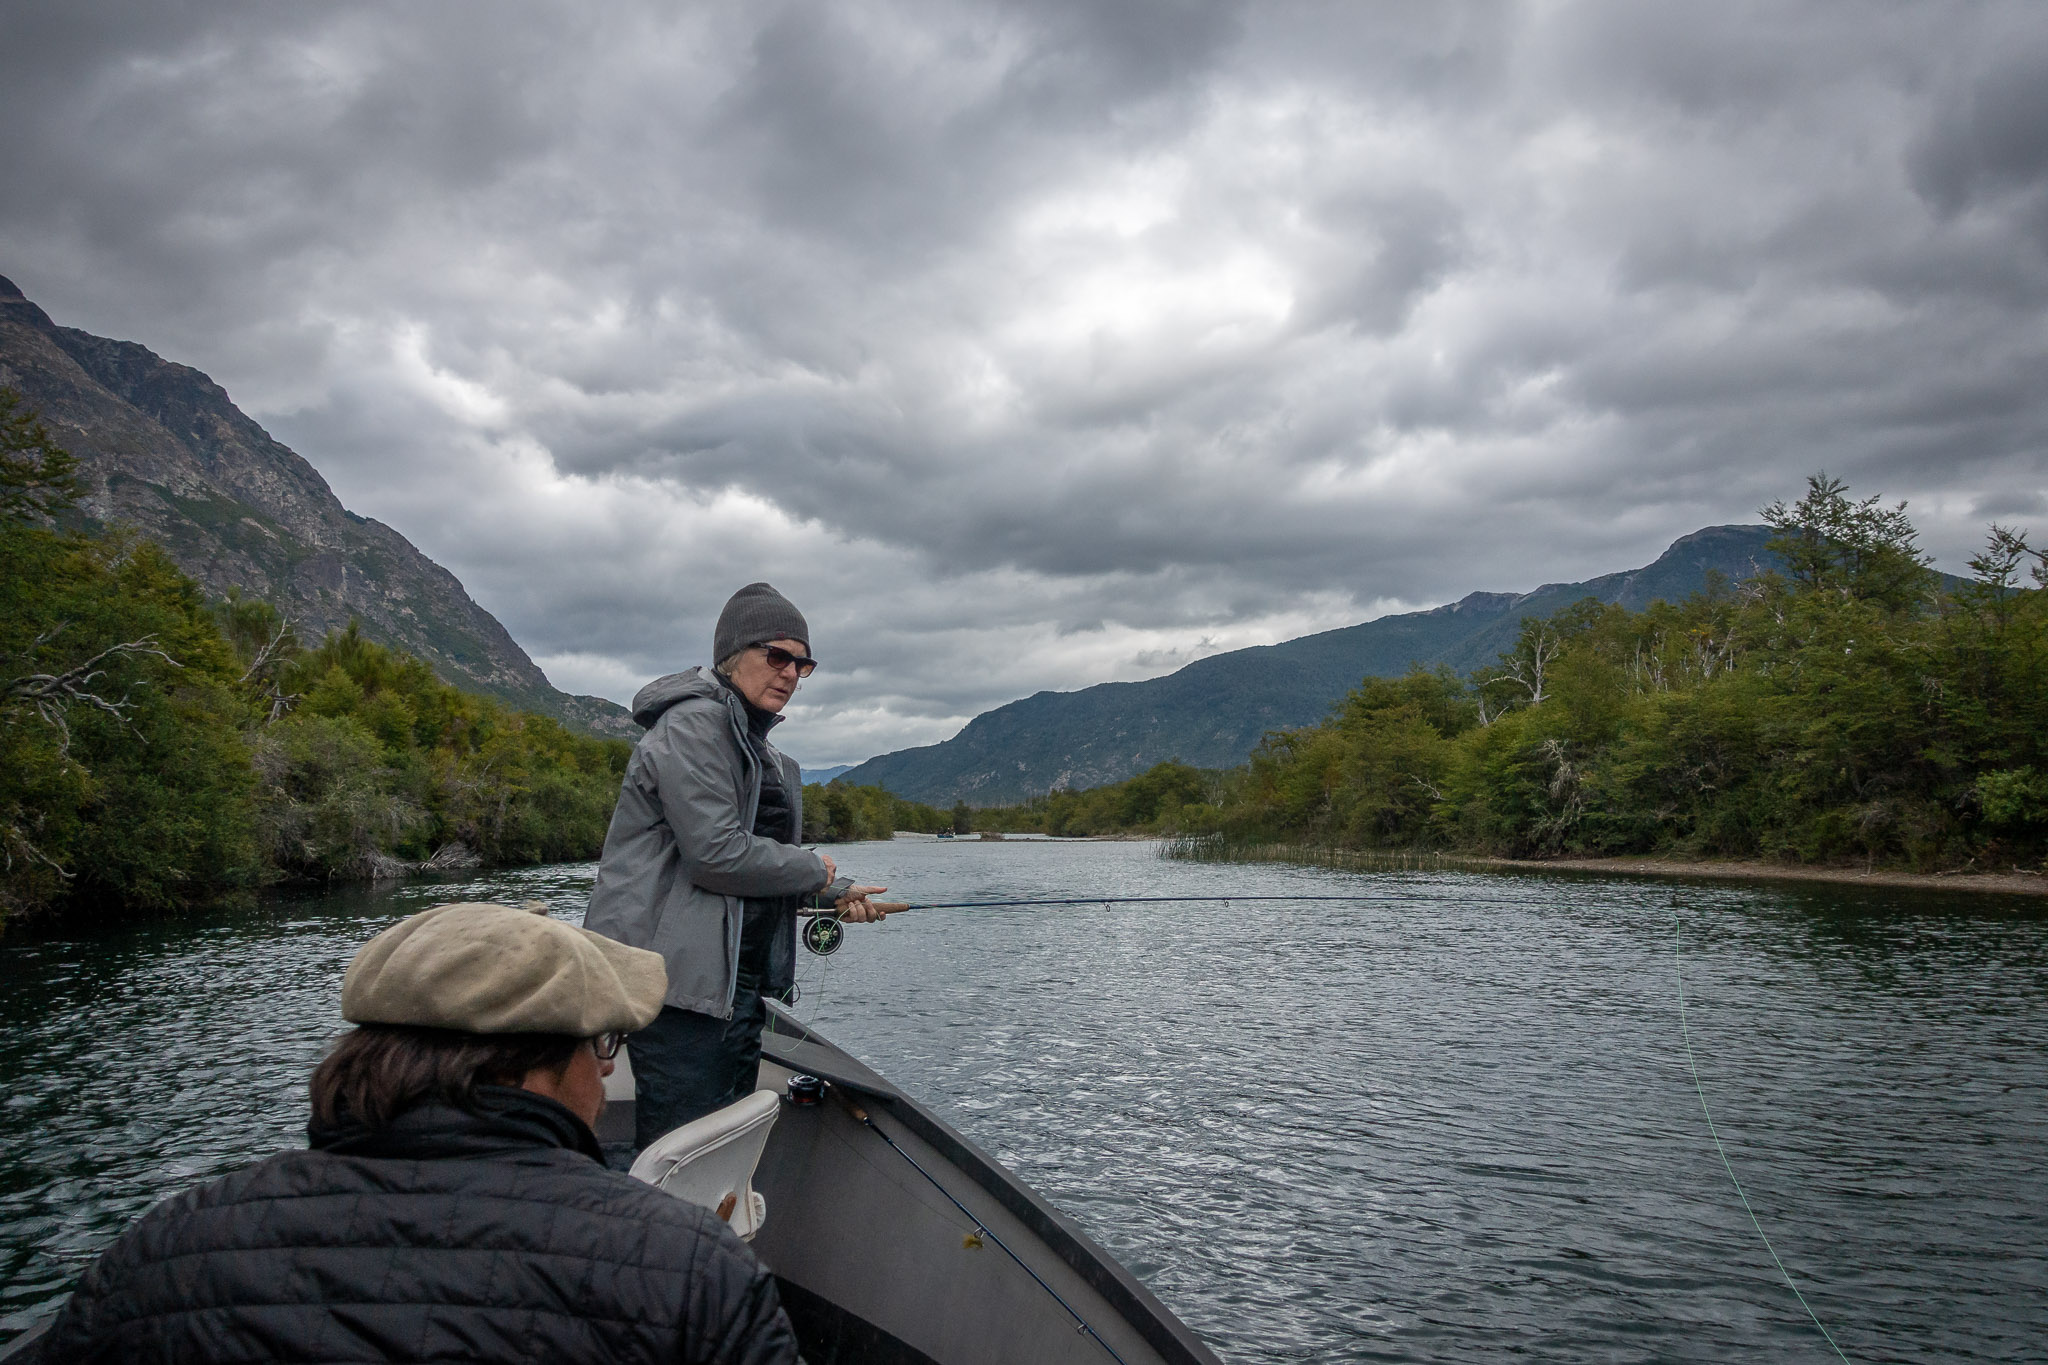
159 750
1852 705
839 812
1168 799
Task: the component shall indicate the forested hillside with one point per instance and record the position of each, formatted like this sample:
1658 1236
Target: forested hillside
162 448
1212 713
159 750
1854 708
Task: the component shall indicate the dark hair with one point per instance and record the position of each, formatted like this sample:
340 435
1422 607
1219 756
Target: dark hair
379 1071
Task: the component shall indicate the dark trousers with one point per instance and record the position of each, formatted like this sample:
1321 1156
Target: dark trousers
685 1064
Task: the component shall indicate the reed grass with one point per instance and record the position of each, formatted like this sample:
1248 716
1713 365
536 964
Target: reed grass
1217 848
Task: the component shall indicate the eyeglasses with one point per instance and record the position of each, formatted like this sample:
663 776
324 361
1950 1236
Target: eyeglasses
780 658
607 1045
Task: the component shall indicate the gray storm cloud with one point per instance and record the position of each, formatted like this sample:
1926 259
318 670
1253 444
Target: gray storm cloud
1037 345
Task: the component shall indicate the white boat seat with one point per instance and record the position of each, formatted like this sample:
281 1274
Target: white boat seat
619 1087
710 1161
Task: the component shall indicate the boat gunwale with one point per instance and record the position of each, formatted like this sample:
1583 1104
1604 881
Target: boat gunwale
1140 1307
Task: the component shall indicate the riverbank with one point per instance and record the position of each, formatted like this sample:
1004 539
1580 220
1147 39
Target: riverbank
1476 1069
2014 883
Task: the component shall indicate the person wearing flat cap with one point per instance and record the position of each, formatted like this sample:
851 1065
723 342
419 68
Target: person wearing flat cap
703 861
453 1203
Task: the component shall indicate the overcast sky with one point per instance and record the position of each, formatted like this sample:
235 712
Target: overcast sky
1044 344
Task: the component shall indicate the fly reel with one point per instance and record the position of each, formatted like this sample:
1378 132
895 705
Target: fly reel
823 933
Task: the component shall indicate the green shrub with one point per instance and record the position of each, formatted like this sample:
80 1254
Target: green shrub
1850 709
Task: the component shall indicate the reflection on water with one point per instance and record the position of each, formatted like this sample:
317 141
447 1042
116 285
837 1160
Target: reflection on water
1449 1121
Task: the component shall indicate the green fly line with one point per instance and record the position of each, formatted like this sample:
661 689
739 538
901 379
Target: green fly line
1679 962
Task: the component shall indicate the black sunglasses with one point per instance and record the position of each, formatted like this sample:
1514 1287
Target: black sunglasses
780 658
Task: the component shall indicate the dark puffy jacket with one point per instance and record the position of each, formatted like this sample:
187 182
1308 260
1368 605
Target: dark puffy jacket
446 1236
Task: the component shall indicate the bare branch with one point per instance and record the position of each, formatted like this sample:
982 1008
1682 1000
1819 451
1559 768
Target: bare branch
15 841
1530 671
52 695
261 670
267 656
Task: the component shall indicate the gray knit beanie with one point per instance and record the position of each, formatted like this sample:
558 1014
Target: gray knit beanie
756 613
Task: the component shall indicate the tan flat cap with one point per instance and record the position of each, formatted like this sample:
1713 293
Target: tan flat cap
482 968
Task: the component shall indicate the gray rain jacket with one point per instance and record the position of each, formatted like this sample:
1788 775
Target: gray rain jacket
681 855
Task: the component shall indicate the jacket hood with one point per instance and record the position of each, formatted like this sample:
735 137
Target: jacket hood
650 701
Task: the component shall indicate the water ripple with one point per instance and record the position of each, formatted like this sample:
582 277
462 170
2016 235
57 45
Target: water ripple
1453 1121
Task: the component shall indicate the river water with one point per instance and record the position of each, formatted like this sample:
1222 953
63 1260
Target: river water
1452 1120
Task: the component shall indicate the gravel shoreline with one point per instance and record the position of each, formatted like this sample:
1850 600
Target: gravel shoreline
2015 883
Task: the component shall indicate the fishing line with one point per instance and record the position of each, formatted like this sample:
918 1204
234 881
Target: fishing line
824 932
799 988
816 995
1679 963
1168 900
1080 1322
1685 1034
1351 898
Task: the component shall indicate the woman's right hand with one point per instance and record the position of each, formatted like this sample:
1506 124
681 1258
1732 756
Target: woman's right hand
855 908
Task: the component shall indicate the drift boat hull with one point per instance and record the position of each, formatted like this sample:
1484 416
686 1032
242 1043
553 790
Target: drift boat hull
895 1239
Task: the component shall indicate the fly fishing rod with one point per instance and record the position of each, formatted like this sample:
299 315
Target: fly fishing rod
826 931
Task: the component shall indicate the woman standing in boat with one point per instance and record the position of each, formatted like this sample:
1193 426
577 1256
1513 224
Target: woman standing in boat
703 862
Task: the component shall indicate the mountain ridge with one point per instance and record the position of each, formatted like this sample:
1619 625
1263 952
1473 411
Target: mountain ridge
1213 711
166 450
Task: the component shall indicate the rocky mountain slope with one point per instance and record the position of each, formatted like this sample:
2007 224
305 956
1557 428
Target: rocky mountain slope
168 453
1212 712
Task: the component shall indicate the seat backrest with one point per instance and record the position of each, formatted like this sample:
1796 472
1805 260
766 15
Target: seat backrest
710 1158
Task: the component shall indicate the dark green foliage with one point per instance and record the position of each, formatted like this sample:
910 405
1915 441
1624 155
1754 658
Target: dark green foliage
1858 549
378 757
124 780
1850 709
1213 712
38 478
329 803
158 752
838 813
1168 798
